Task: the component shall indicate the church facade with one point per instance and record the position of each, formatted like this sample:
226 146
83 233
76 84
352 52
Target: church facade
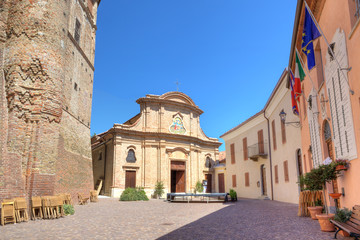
164 142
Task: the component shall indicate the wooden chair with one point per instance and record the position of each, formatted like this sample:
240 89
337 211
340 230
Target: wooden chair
21 210
7 211
45 202
82 200
36 208
93 196
68 199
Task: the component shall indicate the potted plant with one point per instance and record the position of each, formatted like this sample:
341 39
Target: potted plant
233 195
317 178
199 187
343 215
312 182
159 189
341 164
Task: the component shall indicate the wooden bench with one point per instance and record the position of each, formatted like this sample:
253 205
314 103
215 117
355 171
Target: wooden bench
352 226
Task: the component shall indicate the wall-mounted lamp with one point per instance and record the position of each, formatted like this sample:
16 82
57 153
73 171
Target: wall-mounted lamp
282 115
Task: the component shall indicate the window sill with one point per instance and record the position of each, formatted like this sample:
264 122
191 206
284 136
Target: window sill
354 28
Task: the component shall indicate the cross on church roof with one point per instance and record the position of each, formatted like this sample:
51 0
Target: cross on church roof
177 85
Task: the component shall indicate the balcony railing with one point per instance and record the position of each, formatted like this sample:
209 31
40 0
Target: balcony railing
258 150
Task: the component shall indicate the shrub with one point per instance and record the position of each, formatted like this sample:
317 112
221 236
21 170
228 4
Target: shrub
134 194
199 187
68 209
342 215
159 189
317 177
233 194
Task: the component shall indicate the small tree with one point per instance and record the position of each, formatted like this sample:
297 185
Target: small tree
159 189
199 187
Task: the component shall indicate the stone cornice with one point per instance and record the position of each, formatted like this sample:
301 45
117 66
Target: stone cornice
169 102
167 136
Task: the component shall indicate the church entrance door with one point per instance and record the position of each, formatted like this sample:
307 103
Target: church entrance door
208 177
221 183
177 176
130 179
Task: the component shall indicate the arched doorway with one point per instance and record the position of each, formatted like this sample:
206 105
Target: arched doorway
299 166
263 180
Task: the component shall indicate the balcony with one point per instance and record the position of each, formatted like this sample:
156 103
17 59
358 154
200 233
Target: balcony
258 150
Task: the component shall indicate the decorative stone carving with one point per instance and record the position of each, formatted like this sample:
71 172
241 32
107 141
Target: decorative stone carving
31 93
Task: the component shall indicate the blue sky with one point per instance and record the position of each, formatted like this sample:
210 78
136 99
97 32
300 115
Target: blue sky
226 54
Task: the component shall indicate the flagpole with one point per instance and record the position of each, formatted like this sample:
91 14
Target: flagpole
327 43
307 71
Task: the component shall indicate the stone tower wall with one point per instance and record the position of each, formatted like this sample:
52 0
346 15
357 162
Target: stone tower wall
46 94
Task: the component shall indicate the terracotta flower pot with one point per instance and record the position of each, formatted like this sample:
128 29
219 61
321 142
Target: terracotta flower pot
324 221
340 168
335 195
343 233
315 210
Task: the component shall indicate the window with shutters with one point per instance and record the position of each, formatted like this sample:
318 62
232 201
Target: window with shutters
319 66
233 181
245 149
286 171
131 156
273 134
77 31
283 131
247 179
232 153
276 174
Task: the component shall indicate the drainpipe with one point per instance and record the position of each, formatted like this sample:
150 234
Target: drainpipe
271 178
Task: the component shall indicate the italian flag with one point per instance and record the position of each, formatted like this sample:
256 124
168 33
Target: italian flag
299 77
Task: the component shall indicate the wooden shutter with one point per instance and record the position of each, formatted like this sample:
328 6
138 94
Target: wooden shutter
233 181
245 149
221 183
276 174
261 141
283 131
286 171
130 179
247 179
273 133
232 153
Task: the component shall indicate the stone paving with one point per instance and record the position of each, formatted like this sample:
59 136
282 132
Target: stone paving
112 219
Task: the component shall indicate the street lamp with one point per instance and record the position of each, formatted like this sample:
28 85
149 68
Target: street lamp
282 115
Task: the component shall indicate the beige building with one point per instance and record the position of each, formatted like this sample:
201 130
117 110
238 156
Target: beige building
164 142
262 161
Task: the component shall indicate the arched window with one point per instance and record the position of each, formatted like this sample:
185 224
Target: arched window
131 156
327 131
208 162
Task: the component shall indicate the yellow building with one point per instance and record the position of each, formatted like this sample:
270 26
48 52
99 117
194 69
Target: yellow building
164 142
263 151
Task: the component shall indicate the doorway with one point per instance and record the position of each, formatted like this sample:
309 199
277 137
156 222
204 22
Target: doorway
263 180
177 176
130 179
208 178
221 183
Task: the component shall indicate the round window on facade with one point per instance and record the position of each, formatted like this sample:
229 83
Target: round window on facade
131 156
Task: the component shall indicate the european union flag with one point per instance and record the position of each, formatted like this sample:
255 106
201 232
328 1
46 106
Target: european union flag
310 33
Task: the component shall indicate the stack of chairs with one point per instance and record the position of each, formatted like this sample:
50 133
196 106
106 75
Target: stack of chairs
7 211
45 202
93 196
21 210
56 206
82 199
36 208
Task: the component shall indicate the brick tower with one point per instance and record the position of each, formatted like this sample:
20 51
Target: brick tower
47 51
